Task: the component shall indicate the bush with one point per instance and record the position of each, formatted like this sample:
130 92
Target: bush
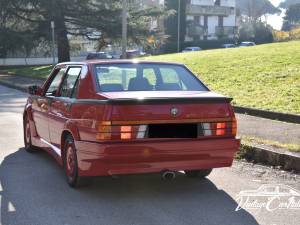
293 34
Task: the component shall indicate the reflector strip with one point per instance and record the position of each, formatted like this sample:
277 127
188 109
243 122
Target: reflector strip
141 132
206 129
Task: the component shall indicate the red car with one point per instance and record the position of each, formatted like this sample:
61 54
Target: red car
101 118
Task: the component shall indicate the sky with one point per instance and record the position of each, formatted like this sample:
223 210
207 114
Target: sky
276 20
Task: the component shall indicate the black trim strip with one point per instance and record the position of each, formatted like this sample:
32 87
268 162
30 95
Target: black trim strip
125 101
136 101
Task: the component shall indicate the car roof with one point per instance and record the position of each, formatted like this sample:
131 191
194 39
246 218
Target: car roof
117 61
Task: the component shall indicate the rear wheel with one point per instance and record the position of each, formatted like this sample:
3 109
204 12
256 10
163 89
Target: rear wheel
27 137
71 165
198 173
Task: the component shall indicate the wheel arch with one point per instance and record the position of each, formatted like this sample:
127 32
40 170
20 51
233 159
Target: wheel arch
69 130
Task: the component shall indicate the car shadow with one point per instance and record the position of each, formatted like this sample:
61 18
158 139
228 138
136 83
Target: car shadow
33 191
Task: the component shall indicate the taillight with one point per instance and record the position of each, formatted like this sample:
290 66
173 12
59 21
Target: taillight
234 126
218 129
117 132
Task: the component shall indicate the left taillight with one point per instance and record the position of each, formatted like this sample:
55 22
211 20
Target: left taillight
120 132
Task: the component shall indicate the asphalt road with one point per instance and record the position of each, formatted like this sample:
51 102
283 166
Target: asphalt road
33 190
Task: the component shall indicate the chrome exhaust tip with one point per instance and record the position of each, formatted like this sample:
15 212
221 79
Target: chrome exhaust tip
168 175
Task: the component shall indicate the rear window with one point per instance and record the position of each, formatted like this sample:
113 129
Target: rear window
145 77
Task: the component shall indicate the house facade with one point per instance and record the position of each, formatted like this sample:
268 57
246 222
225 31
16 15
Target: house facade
210 20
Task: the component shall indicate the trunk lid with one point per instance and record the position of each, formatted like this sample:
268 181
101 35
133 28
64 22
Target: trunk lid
167 106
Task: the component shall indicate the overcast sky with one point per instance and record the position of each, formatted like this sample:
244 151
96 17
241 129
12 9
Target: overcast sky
275 20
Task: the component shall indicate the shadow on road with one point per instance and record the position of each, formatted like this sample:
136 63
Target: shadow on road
34 192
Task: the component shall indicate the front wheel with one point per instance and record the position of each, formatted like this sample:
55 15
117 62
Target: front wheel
71 165
198 173
27 137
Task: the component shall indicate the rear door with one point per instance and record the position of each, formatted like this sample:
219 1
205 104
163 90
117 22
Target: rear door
60 109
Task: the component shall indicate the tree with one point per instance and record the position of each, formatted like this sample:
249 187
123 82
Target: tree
258 32
293 14
287 3
171 22
255 9
292 18
77 17
15 35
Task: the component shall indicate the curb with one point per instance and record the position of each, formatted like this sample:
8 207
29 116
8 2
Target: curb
285 117
269 156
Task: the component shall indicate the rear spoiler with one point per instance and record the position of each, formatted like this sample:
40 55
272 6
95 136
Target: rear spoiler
128 101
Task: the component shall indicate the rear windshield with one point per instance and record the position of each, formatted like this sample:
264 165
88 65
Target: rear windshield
146 77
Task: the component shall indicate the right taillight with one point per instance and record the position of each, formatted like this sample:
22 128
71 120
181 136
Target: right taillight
234 126
218 129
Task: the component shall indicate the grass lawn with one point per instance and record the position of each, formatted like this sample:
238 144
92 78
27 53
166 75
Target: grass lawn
276 144
31 71
263 77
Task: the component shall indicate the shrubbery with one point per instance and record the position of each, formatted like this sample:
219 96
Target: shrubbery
293 34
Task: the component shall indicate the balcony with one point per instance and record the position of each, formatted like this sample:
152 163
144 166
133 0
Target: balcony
208 10
228 30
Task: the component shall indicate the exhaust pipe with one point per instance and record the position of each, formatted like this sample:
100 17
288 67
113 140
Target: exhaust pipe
168 175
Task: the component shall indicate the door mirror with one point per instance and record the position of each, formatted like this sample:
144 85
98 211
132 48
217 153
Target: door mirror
35 90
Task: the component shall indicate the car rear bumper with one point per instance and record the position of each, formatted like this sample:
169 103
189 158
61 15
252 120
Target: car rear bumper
102 159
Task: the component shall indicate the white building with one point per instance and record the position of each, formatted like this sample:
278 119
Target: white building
211 19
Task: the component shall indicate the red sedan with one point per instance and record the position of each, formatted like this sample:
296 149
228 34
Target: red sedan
101 118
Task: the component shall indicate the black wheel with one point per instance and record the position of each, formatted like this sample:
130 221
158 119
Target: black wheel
71 165
198 173
27 137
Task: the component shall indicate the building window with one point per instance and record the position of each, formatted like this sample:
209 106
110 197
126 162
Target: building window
218 2
221 21
197 20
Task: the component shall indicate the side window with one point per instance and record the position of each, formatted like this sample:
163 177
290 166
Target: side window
54 85
69 84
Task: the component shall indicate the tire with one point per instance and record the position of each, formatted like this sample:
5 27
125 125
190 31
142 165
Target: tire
71 165
27 137
198 173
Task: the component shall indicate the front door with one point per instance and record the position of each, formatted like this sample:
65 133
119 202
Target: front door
60 109
41 104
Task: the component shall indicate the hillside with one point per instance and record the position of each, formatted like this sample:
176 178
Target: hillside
265 76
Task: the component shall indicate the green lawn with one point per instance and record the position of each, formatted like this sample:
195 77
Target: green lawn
32 71
264 76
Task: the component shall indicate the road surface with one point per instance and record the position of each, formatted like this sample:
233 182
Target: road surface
33 190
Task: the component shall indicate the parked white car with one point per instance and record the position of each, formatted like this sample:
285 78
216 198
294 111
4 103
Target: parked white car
191 49
247 44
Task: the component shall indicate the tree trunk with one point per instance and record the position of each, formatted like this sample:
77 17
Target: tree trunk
63 47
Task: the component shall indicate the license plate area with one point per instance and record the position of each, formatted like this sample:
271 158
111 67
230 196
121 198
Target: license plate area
173 131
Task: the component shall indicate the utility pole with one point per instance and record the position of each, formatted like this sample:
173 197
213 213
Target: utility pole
124 29
53 42
178 28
